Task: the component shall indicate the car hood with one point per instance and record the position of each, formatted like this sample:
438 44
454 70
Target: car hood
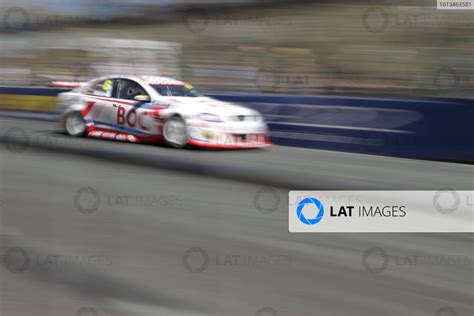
198 105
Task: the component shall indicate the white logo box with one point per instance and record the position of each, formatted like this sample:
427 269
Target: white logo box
382 211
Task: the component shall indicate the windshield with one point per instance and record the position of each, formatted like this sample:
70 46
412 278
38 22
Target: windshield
176 90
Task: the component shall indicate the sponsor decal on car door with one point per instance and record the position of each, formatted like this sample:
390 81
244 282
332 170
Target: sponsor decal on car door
132 116
136 118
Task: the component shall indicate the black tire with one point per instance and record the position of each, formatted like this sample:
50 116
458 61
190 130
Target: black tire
75 124
179 126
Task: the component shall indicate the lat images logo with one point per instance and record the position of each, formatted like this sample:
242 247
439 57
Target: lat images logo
308 202
380 211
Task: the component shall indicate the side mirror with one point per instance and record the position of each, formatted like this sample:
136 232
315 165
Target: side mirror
142 98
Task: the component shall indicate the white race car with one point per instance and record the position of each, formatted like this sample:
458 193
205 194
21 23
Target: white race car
155 109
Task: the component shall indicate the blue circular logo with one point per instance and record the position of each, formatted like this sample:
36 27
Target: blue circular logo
310 221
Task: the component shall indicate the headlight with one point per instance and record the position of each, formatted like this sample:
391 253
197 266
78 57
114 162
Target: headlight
208 117
256 117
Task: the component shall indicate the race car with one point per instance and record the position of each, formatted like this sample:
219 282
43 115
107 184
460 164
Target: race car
157 109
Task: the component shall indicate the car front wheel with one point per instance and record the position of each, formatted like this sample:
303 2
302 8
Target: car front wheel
175 133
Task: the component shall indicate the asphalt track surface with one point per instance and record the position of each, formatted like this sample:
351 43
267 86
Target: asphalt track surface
93 227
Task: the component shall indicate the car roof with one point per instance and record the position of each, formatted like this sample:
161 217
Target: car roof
150 80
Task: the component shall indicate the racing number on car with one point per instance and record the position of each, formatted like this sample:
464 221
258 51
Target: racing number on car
131 118
107 85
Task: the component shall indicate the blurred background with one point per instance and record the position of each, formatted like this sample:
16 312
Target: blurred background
371 48
75 206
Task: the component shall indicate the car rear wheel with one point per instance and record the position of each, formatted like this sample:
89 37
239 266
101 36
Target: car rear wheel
75 124
175 133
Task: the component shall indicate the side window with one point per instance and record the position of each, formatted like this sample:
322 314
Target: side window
128 89
102 88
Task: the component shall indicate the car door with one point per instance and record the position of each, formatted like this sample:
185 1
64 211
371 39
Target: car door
131 115
99 105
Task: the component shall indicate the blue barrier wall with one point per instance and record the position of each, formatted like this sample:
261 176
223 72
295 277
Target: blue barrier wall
421 129
439 129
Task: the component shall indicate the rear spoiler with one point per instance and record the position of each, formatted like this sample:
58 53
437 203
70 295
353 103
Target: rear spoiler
67 84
